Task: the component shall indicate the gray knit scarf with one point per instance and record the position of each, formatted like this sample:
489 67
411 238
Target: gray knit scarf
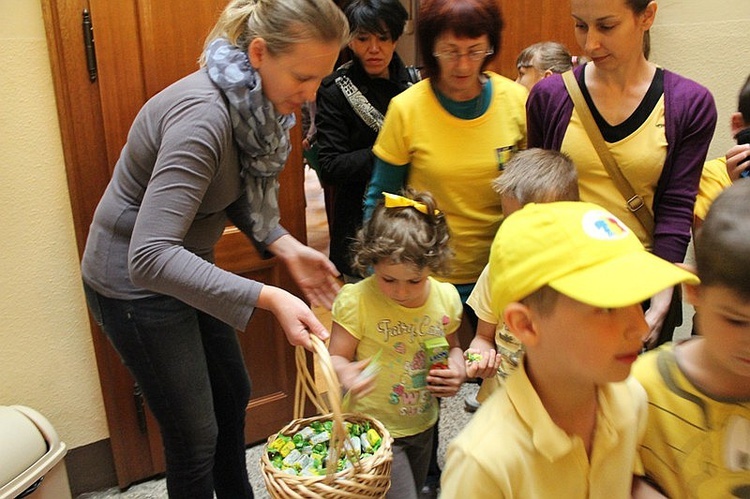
261 134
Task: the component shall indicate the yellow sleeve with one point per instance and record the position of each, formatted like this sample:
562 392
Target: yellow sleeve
714 179
392 143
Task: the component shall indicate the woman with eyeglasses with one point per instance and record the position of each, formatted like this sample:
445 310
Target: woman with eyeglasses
452 133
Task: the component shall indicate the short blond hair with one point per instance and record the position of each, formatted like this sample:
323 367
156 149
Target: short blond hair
538 176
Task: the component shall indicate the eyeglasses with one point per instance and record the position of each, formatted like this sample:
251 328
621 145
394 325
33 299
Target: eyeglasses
454 55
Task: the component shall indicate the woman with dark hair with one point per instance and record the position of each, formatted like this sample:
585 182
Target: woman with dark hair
656 125
351 103
452 133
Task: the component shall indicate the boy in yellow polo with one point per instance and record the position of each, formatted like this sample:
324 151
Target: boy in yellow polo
697 442
568 279
531 176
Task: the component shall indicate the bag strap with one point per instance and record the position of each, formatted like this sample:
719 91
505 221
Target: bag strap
359 103
415 75
634 202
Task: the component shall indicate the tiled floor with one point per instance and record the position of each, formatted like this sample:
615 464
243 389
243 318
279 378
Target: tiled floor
317 223
317 227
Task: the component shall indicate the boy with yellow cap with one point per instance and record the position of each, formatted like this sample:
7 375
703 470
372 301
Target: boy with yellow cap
568 278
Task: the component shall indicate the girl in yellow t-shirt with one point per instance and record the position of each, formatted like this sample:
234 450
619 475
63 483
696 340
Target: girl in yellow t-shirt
389 322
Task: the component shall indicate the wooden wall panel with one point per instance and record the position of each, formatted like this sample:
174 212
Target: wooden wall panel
531 21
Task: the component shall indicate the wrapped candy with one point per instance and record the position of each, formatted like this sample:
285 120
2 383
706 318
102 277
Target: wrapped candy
473 357
306 452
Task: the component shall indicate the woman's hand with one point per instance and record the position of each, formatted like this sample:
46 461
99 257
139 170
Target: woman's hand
735 160
656 314
294 316
313 272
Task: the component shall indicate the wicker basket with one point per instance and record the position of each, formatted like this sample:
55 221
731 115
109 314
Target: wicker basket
370 477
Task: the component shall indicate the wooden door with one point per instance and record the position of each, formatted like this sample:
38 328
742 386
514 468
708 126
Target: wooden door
531 21
142 46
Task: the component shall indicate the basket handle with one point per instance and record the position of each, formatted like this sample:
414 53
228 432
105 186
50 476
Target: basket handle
306 388
305 385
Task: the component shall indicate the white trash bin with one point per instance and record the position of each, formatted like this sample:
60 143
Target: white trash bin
31 456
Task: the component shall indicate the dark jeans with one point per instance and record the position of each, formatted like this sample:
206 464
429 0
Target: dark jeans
190 368
410 463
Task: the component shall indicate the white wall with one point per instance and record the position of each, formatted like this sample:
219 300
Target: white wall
707 41
46 355
46 358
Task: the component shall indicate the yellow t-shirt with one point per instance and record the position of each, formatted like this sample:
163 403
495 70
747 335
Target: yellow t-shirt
400 400
640 156
714 179
456 160
696 444
507 345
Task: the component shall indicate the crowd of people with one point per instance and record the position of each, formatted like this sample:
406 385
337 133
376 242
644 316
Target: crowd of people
535 227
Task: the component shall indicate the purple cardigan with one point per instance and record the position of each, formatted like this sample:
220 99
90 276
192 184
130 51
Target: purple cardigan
690 115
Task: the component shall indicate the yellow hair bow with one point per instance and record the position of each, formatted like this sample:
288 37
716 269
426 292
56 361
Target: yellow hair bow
396 201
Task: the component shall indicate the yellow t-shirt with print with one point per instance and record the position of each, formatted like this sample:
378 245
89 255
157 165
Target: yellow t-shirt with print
640 156
456 160
400 399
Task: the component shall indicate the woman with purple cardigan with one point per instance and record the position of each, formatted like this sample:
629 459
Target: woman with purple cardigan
656 124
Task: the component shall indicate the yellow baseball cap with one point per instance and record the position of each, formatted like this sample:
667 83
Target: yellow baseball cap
579 249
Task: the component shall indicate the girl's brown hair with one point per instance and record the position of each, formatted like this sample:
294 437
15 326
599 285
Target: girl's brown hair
404 235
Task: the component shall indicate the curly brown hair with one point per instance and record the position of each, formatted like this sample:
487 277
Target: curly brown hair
404 235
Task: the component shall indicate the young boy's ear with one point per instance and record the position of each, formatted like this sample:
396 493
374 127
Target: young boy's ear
692 293
517 317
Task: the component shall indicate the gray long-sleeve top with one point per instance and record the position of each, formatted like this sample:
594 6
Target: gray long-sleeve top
165 208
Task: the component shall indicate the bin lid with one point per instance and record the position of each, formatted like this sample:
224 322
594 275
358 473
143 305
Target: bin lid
21 444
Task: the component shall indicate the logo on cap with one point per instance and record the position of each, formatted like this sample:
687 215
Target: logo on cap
604 226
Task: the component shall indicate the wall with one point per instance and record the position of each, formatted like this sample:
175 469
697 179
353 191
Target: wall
707 42
46 359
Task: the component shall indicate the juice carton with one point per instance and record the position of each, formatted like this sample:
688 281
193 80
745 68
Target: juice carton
436 353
